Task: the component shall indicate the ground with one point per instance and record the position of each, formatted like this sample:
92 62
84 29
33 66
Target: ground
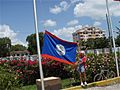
111 87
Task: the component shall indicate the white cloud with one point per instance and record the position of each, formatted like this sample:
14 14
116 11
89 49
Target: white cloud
49 23
66 32
6 31
72 23
75 1
96 9
16 41
55 9
63 6
96 23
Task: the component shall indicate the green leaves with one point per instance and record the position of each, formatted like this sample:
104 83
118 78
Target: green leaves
97 43
118 40
7 79
5 45
18 47
32 45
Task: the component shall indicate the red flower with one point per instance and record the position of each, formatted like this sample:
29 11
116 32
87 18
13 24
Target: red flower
18 70
18 64
14 61
31 62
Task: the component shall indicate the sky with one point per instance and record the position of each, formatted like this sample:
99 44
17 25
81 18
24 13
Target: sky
60 17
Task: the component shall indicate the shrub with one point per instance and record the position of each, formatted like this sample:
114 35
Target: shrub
15 72
26 71
54 68
8 80
94 65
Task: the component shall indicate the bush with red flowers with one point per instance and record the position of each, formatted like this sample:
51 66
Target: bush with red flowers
27 71
54 68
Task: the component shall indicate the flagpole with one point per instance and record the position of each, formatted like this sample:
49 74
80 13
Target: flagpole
110 23
38 44
110 41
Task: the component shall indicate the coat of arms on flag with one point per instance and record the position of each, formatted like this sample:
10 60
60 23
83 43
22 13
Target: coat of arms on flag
58 49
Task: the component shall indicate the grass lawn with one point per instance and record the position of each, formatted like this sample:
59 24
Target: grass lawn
29 87
65 84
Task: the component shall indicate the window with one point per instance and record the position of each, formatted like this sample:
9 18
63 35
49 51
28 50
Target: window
97 35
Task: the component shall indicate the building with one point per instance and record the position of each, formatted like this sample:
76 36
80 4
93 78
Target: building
19 53
87 33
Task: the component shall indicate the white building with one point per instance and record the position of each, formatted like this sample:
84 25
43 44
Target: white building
87 33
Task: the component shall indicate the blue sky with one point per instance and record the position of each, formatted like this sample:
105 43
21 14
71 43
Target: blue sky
61 17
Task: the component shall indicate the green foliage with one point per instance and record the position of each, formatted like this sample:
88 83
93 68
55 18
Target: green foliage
95 43
5 45
66 83
118 37
118 40
8 80
18 47
101 43
94 65
31 39
54 68
26 72
29 87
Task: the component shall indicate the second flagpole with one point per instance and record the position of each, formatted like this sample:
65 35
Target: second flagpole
110 23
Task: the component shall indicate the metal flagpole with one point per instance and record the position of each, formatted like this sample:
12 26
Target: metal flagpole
110 41
110 23
38 44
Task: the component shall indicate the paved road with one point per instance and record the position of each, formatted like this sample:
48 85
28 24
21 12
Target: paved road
112 87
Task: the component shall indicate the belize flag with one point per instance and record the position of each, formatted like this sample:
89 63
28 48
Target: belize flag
58 49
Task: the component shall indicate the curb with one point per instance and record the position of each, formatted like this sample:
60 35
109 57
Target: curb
99 83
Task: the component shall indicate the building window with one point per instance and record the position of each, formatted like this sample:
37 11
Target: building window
97 35
89 35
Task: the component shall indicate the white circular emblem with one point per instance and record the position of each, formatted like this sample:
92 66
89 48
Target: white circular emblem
60 49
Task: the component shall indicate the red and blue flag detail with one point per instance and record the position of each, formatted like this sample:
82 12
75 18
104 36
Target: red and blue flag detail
58 49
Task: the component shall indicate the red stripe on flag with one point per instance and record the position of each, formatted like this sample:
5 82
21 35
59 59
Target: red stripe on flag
57 59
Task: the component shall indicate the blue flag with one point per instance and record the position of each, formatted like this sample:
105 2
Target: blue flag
58 49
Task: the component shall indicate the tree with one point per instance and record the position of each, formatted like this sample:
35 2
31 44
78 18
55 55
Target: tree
82 44
118 40
118 37
5 45
90 43
101 43
32 46
18 47
97 43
